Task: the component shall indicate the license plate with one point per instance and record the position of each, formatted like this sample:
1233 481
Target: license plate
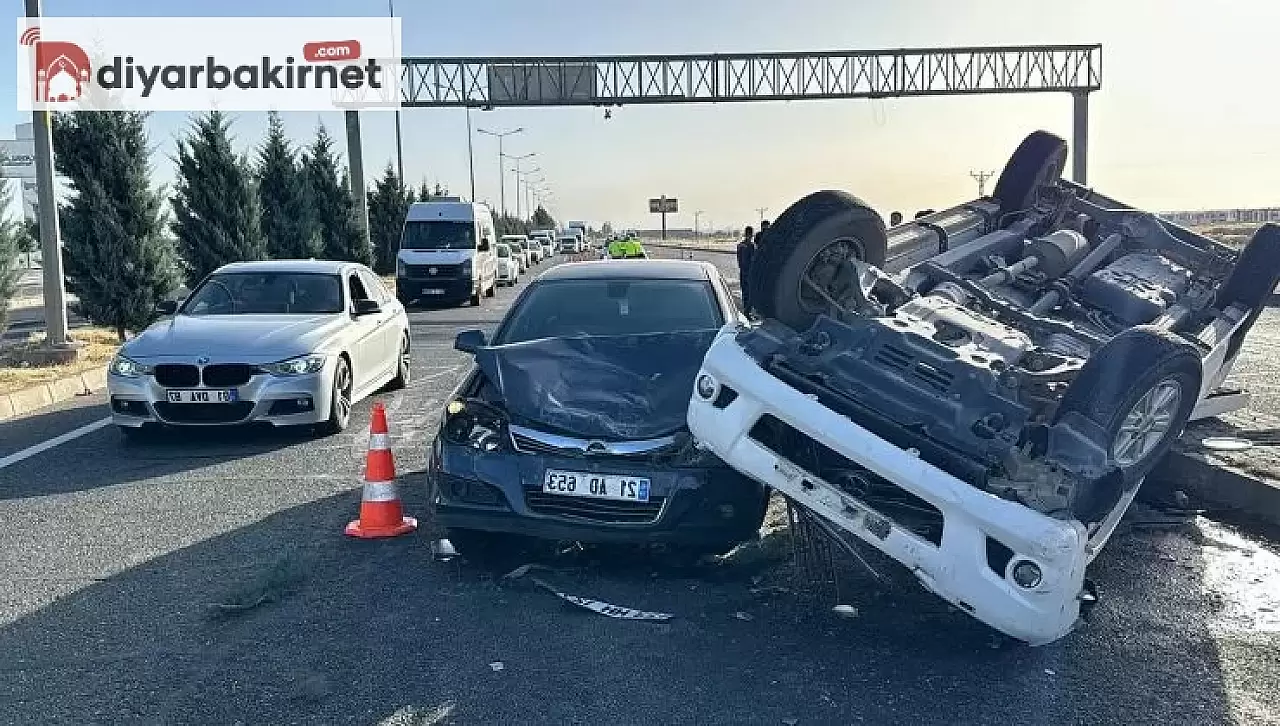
433 291
202 396
596 486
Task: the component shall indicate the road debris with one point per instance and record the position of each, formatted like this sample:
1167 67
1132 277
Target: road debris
496 666
596 606
442 550
746 617
845 611
1226 443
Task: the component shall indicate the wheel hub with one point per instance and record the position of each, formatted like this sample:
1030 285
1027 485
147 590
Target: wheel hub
1147 423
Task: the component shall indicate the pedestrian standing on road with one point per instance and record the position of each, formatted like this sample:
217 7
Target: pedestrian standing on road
764 227
746 252
895 219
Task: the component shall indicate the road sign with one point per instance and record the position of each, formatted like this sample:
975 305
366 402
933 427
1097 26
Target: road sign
663 205
17 159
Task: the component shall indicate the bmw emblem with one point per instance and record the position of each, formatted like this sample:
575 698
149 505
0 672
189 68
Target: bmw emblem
432 270
202 359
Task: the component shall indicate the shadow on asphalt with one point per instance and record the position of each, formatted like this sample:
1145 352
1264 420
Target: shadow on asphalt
361 631
158 454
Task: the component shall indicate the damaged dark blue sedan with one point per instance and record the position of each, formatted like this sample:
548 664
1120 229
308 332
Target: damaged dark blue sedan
571 423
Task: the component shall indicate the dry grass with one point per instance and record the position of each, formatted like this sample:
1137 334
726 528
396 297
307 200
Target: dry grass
17 373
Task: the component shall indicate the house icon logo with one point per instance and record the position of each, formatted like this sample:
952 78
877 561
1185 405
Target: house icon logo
62 68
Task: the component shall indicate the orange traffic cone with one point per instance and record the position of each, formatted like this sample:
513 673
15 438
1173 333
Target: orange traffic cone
380 512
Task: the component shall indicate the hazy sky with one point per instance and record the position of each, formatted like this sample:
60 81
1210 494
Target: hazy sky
1188 117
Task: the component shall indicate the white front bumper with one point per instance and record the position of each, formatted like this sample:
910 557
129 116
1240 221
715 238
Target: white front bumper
958 570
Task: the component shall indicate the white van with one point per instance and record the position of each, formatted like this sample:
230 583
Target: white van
447 253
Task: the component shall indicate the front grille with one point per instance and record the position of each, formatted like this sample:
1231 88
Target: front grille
221 375
530 445
421 272
884 496
204 412
177 375
595 510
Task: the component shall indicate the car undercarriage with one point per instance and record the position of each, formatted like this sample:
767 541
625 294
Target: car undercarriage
979 393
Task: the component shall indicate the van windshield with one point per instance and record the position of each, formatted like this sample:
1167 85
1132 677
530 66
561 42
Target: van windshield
438 235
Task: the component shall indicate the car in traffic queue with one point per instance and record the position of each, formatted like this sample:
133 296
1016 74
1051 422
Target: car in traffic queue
628 248
519 249
534 249
568 244
281 342
570 424
508 267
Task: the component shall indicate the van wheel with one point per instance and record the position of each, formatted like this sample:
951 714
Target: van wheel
475 298
493 288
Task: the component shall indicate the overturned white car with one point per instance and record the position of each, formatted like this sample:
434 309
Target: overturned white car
980 392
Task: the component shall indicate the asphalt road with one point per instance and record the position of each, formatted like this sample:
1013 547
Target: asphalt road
114 557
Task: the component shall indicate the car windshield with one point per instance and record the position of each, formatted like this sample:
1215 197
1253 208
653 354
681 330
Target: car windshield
438 236
561 308
250 293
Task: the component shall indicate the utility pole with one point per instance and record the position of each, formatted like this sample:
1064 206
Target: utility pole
502 169
355 158
696 216
981 177
391 10
518 160
761 211
59 347
471 156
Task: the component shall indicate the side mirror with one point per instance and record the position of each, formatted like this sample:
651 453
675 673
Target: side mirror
367 307
167 307
469 341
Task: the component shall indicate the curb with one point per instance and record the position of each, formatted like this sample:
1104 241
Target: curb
27 401
1208 480
691 248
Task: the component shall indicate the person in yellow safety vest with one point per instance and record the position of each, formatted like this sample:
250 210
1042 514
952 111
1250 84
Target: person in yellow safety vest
623 248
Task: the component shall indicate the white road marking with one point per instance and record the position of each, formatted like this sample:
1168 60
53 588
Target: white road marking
42 447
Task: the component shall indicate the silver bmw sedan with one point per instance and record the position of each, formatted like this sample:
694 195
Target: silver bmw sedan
286 342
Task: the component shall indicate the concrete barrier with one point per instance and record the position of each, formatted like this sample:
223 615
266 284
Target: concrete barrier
29 400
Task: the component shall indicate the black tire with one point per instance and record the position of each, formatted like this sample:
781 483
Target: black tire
1038 160
1124 372
475 298
791 244
404 369
493 288
1252 281
339 400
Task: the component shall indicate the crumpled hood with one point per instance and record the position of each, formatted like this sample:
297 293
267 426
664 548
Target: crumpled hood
619 387
250 338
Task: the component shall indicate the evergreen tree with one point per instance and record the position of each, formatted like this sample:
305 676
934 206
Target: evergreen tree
118 261
11 243
388 204
340 233
284 198
542 219
215 205
424 192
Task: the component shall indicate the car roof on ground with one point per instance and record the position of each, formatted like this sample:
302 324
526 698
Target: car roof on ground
629 269
331 267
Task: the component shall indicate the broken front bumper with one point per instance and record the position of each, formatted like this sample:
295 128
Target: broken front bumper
959 568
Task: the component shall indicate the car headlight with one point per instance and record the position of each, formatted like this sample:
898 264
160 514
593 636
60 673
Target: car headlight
299 366
127 367
475 424
400 268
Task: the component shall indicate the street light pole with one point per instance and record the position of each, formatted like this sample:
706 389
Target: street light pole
399 150
471 157
517 160
502 170
55 291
